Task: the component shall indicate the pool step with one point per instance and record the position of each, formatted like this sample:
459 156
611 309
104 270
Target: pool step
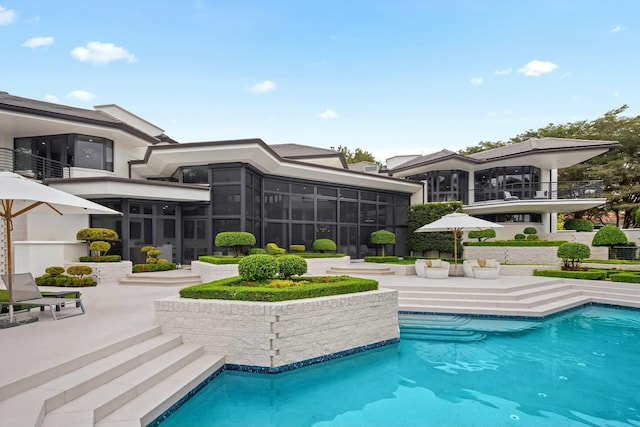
451 335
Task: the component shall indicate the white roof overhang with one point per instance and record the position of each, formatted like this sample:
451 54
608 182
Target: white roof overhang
533 206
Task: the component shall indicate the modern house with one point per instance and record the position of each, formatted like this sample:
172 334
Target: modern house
178 196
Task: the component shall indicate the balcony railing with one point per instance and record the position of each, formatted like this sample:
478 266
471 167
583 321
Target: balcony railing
32 166
540 191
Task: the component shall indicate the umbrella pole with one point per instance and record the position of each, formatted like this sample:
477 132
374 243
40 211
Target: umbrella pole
9 265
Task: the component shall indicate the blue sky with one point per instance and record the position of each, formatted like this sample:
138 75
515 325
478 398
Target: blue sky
391 77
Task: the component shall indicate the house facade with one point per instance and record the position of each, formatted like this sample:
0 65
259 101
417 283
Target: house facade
178 196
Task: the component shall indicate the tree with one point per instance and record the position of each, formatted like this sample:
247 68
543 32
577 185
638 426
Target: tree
383 237
357 155
611 236
419 215
572 253
235 239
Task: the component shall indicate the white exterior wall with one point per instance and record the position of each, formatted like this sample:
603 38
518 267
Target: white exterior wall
35 256
281 333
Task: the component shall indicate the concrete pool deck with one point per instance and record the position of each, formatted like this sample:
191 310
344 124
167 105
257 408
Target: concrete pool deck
114 313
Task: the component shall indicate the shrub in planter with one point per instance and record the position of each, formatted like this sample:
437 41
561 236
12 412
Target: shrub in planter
297 248
383 237
54 270
610 236
79 270
530 231
274 249
520 236
382 259
578 224
533 237
100 258
145 268
482 235
291 265
99 246
324 245
94 234
571 255
257 267
235 239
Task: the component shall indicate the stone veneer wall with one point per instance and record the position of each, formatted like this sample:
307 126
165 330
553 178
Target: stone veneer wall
279 334
107 273
525 254
315 267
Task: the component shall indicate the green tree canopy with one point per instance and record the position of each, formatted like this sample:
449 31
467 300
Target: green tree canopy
419 215
357 155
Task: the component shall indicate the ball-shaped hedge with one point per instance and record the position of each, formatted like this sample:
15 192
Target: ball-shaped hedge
54 270
231 239
291 265
481 235
570 253
383 237
324 245
530 231
154 253
257 267
609 235
79 270
520 236
92 234
100 246
533 237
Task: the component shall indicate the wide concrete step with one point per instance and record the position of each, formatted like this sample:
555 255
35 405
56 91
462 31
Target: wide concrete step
470 285
150 279
95 404
50 389
154 402
362 270
507 295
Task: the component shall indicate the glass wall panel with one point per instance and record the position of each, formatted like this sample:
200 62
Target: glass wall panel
226 175
195 174
276 206
327 210
349 212
226 199
368 213
349 240
302 208
277 233
302 234
326 231
89 153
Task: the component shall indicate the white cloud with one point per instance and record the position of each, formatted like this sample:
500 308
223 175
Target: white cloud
38 42
503 72
7 16
265 86
51 98
102 53
81 95
617 29
536 68
476 81
328 114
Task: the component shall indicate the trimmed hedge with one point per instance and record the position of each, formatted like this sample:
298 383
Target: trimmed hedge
235 239
291 265
482 235
381 259
93 234
221 260
297 248
274 249
100 258
234 288
324 245
578 224
145 268
518 243
584 275
257 267
64 281
625 277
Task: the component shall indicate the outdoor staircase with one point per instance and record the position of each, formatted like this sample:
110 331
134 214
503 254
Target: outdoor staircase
531 299
155 279
127 383
361 269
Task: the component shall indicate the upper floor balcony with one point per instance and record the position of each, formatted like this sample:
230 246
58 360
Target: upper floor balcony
32 166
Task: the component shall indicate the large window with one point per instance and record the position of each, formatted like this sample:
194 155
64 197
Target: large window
520 181
445 185
45 156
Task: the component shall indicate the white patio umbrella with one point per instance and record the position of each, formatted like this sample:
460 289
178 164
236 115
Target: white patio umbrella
457 222
19 195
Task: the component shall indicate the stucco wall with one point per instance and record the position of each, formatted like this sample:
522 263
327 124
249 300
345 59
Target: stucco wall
277 334
525 254
107 273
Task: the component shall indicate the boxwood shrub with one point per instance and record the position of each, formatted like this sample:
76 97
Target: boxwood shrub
100 258
274 249
234 288
324 245
291 265
148 268
297 248
628 277
257 267
522 242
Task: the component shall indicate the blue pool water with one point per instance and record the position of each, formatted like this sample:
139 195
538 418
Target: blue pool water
578 369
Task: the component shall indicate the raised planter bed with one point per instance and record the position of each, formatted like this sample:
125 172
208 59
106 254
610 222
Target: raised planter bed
107 273
279 336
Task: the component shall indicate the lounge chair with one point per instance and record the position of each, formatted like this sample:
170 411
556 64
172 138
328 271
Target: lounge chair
540 194
481 268
26 292
436 269
508 196
420 267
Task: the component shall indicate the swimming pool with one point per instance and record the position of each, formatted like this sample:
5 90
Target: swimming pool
576 369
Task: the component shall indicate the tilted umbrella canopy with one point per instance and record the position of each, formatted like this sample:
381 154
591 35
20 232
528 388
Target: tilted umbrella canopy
19 195
456 222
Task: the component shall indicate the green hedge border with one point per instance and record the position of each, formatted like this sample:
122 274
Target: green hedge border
150 268
565 274
232 289
225 260
526 243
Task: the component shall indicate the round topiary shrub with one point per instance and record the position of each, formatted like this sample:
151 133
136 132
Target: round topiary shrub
100 246
578 224
324 245
146 249
54 270
297 248
533 237
571 255
609 235
530 231
482 235
151 260
154 253
257 267
520 236
291 265
79 270
162 261
383 237
235 239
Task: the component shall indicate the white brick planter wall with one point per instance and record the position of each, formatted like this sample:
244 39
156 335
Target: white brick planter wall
107 273
525 254
281 334
315 267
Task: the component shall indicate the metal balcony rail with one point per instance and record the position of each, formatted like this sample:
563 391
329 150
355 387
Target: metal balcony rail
32 166
540 191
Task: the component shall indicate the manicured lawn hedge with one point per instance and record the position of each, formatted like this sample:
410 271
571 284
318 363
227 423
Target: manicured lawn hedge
585 275
625 277
147 268
220 259
101 258
382 259
517 243
610 261
234 288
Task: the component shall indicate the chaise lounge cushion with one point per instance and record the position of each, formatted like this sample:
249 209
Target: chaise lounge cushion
481 268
